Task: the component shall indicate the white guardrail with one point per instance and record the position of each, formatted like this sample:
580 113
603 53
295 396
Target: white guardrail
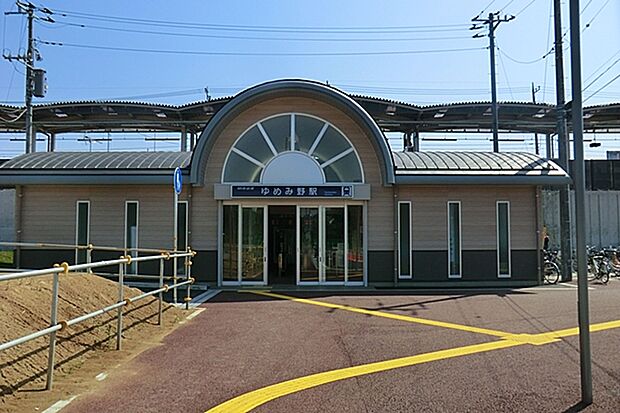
122 262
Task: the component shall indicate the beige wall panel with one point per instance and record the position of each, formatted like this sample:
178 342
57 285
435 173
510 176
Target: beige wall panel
380 208
478 215
49 213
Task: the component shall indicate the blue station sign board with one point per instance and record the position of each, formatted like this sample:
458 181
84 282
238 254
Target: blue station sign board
177 180
292 191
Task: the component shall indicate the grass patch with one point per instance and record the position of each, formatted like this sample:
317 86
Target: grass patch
6 257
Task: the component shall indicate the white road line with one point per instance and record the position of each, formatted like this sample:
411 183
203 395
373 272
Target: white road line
195 313
199 299
59 405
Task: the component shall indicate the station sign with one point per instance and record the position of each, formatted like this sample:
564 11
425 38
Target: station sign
292 191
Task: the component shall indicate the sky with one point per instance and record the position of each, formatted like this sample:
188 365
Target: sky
420 52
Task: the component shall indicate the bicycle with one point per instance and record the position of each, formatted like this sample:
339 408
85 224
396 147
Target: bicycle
551 270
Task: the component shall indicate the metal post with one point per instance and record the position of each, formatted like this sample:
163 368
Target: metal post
563 149
51 142
494 108
31 137
188 275
53 321
534 90
184 139
548 145
121 297
579 183
175 245
89 257
161 295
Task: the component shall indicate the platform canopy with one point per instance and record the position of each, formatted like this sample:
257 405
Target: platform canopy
390 115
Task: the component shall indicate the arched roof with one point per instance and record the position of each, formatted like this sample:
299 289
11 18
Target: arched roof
279 88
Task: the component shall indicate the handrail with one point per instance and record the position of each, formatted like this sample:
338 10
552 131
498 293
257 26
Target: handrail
83 247
122 262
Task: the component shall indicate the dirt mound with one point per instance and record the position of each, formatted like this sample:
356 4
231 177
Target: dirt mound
25 307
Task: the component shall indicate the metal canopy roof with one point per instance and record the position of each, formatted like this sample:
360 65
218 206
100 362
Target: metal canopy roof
80 161
476 168
156 168
391 116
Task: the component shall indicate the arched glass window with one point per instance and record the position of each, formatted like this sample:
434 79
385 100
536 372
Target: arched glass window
292 148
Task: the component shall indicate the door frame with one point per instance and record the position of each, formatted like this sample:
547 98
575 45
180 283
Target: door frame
240 207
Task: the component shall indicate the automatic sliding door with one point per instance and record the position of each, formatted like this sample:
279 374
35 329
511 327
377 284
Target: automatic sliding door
308 244
230 244
253 244
334 245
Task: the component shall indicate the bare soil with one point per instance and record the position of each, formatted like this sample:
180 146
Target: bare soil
83 350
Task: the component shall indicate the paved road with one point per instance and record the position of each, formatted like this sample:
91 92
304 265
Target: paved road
242 342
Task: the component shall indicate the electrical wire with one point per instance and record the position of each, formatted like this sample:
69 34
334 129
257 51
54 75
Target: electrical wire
214 36
272 29
601 74
221 53
587 25
526 7
604 86
506 76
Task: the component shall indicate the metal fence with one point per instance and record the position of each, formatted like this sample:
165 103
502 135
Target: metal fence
64 269
602 217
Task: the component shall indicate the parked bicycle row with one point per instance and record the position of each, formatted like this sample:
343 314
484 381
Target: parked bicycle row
603 263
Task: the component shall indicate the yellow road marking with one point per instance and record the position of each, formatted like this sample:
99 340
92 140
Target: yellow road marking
376 313
253 399
248 401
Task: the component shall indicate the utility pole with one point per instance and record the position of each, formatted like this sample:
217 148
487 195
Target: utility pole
563 149
579 183
35 80
534 90
493 21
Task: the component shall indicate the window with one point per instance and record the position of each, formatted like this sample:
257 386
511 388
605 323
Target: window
503 239
131 233
404 239
182 232
454 239
267 145
355 243
82 229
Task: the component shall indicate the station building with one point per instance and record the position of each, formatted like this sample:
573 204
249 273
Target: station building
293 183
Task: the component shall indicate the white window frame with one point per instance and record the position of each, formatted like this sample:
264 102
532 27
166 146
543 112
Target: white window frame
77 223
133 254
402 276
460 274
499 274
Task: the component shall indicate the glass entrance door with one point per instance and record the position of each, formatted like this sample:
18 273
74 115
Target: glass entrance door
244 259
330 245
308 260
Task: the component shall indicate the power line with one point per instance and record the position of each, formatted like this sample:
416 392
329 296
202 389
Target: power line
506 76
587 25
604 86
526 7
257 28
215 36
220 53
602 73
603 64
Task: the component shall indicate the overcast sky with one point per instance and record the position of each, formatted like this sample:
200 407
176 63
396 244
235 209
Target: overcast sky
420 52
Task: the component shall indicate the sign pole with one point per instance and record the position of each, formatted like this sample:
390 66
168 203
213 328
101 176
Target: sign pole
177 183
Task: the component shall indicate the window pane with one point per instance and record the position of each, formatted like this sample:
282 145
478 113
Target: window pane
82 230
404 238
503 233
230 243
454 240
331 145
306 130
182 234
131 234
334 244
309 244
254 145
239 169
346 169
252 244
279 131
355 239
